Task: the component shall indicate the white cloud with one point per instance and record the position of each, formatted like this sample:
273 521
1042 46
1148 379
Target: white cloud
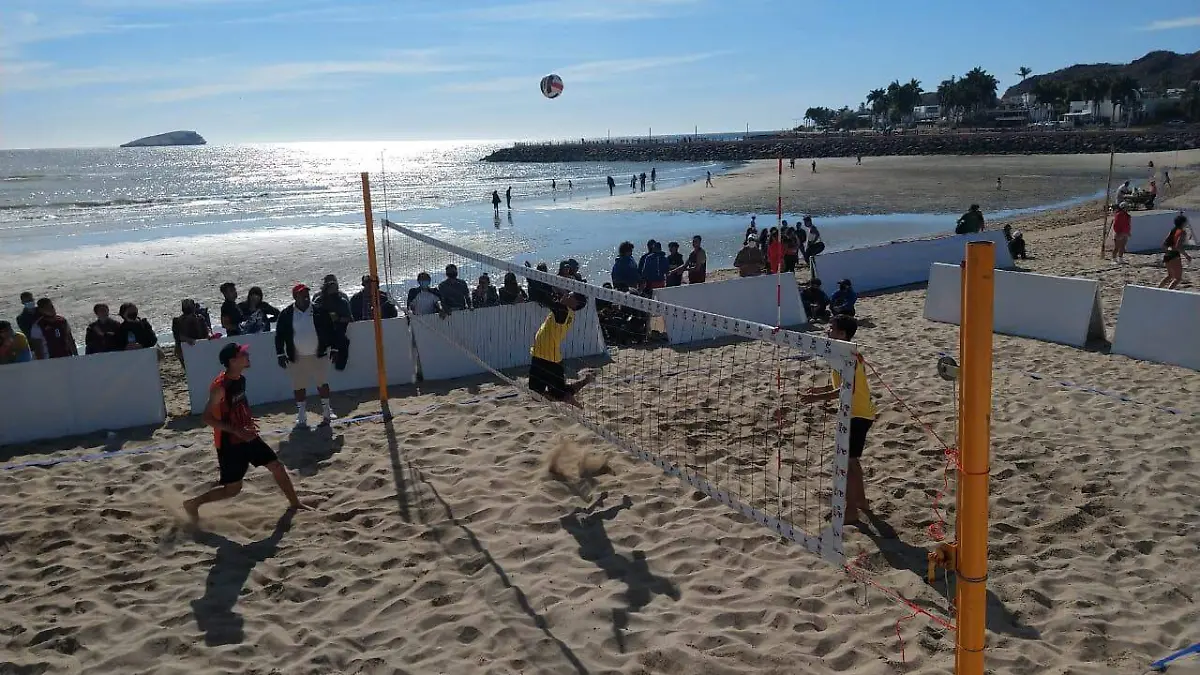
558 11
1170 24
590 71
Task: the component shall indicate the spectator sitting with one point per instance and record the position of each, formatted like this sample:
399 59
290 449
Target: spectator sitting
675 264
1016 243
454 291
541 292
570 268
103 334
14 346
970 222
625 270
188 327
423 299
511 292
816 302
28 313
749 261
257 315
51 336
484 294
136 332
231 313
1124 191
842 302
361 308
653 266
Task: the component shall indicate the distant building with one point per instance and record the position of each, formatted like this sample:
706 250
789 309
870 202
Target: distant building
926 112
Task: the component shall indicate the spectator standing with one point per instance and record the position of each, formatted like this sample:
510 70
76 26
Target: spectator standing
103 334
14 346
231 314
625 272
750 261
495 200
697 262
815 301
612 184
815 246
511 292
336 307
456 295
775 252
675 264
424 299
1173 258
136 332
303 340
1122 229
188 327
51 334
508 198
791 249
484 294
540 292
28 313
843 299
361 308
653 266
257 315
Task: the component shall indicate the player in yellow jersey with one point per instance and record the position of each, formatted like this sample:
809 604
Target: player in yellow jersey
546 374
862 415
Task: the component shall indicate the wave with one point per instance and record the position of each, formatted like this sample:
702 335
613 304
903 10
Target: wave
20 176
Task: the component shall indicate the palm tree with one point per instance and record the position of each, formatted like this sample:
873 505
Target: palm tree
949 96
1123 91
1024 72
879 102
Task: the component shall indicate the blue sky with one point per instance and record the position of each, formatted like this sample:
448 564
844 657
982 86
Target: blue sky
101 72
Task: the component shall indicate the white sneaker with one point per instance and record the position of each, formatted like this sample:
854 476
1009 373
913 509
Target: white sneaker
302 422
328 419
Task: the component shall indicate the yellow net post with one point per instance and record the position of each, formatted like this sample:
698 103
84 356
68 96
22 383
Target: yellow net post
976 379
376 310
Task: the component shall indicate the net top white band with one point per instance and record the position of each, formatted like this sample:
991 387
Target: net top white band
837 353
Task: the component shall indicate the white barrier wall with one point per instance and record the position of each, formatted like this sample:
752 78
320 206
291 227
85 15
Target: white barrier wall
266 382
500 336
901 263
1148 229
80 395
1055 309
749 298
1159 325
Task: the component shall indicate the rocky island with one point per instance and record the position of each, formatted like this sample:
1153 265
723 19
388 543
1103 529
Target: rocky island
169 138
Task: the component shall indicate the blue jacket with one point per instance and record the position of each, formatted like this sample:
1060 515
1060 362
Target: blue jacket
843 300
654 266
625 271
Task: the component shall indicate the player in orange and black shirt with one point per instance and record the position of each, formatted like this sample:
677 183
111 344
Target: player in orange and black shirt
236 436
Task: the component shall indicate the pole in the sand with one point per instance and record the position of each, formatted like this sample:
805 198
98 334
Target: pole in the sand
975 376
373 270
779 224
1107 200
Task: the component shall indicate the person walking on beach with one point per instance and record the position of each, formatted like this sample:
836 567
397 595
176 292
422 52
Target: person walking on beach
611 184
1173 258
553 185
793 164
708 180
508 198
858 159
653 174
642 178
236 435
999 184
546 375
1122 229
495 200
862 416
1166 178
814 166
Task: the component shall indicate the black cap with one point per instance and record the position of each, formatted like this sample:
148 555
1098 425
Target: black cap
844 282
231 351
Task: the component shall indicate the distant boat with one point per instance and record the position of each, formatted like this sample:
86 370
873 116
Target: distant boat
169 138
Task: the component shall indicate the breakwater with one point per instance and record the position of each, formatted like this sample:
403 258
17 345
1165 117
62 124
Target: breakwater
849 145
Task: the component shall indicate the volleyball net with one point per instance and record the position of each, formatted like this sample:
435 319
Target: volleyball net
719 404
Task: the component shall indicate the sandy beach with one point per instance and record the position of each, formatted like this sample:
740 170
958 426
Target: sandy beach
438 545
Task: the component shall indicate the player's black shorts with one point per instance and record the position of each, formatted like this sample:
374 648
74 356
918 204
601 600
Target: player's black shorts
548 378
235 459
859 427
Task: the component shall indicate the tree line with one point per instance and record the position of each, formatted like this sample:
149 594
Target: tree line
971 94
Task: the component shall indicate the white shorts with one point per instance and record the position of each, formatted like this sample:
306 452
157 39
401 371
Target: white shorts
308 370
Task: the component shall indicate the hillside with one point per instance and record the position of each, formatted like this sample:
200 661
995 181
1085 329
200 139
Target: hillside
1156 70
169 138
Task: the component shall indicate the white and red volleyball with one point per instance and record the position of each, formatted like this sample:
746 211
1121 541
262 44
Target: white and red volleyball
552 86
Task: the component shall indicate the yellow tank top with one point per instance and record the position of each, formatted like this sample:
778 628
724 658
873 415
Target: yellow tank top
547 345
861 405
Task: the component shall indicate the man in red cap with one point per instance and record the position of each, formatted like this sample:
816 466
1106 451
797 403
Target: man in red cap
303 338
236 435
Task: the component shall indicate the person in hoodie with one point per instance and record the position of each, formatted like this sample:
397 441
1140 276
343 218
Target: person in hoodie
625 272
303 338
653 266
136 332
103 334
843 299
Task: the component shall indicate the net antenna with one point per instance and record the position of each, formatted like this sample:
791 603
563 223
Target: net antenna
700 403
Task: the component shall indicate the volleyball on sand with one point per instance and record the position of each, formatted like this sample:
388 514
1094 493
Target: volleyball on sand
552 86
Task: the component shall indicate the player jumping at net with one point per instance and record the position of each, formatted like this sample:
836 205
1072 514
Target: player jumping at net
546 375
236 435
862 416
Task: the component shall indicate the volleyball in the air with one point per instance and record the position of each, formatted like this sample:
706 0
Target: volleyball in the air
552 86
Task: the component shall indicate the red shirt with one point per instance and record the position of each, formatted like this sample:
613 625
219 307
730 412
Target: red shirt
235 409
775 256
1122 223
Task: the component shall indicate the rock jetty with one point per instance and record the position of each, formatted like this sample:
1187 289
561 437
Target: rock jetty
849 145
169 138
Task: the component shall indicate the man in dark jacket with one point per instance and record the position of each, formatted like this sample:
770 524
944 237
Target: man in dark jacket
103 334
136 332
336 307
303 338
28 313
455 292
653 266
625 274
360 303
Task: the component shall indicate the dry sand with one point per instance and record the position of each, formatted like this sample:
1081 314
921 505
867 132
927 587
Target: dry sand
440 545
